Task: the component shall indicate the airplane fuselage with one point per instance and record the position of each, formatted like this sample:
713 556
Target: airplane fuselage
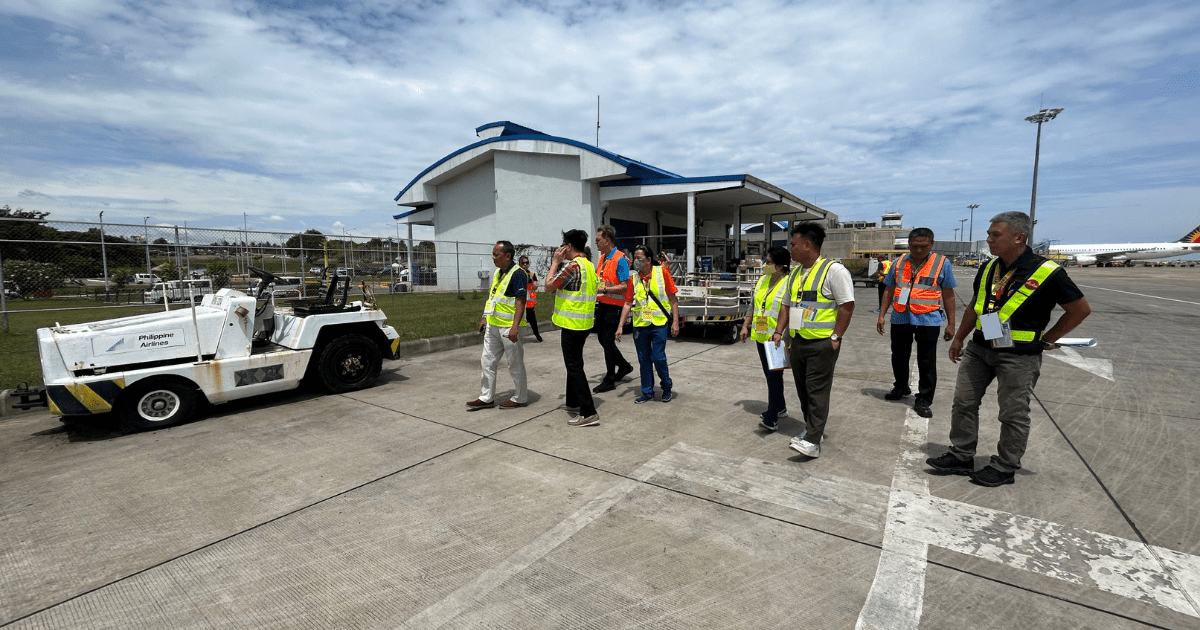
1123 252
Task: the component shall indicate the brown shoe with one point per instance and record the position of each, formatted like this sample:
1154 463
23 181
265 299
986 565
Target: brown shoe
479 404
512 404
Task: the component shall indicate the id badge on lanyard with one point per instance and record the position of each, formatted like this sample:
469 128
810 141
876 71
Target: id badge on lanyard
760 323
903 299
647 312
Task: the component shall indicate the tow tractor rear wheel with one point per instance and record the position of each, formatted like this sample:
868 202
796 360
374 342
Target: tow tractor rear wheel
348 363
154 403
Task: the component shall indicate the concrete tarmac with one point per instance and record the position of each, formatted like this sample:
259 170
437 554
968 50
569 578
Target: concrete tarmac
395 507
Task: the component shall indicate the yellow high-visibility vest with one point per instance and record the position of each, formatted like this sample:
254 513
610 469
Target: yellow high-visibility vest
501 310
576 310
767 299
818 325
1037 279
644 305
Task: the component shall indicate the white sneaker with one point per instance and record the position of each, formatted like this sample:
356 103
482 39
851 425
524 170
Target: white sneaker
803 432
804 447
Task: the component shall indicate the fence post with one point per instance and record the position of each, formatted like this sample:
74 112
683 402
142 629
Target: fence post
3 292
458 268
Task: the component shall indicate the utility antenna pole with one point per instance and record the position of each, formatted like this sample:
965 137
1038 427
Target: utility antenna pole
597 120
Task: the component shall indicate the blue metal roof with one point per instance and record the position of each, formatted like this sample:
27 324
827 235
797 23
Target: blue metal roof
641 171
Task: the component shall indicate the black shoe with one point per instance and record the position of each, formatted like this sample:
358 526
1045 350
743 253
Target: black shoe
622 373
950 464
896 394
604 386
990 477
922 409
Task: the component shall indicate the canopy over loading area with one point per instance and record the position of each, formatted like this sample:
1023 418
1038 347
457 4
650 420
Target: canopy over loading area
518 183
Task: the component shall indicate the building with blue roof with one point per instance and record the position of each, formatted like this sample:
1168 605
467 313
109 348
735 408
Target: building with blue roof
525 186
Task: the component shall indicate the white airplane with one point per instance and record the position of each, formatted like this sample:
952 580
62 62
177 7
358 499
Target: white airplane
1105 254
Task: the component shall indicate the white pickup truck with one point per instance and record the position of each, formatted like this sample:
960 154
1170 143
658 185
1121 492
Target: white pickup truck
179 291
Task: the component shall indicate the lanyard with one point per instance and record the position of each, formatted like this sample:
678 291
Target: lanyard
501 281
995 291
767 296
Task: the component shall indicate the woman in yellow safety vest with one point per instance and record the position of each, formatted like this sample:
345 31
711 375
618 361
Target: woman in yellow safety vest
768 295
530 297
653 290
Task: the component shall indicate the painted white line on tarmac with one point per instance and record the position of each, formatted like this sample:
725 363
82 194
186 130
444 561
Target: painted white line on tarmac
1157 297
839 498
897 595
1108 563
450 606
914 520
1100 367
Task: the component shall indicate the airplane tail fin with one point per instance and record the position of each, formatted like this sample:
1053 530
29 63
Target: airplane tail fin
1191 237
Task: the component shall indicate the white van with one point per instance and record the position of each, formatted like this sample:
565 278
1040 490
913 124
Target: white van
177 291
146 278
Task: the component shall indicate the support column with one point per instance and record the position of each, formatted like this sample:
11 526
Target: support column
691 232
737 233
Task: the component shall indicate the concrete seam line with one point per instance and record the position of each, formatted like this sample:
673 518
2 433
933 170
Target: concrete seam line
237 533
1171 574
453 604
897 594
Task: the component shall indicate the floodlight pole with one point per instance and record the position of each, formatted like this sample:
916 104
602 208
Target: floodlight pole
972 236
1039 118
960 227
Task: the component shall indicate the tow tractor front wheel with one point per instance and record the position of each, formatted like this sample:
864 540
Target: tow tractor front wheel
348 363
154 403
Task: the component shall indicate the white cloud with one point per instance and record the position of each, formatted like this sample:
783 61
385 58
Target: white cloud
859 107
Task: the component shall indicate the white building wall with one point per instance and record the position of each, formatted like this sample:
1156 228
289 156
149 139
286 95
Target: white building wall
466 211
541 196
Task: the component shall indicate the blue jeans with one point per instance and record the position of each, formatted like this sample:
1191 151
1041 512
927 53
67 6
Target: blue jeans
775 402
651 344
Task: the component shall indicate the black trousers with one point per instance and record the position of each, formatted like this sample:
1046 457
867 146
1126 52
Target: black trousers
608 318
882 288
531 319
926 337
578 392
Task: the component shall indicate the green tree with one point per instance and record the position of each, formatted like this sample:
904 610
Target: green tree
121 277
221 272
31 277
169 271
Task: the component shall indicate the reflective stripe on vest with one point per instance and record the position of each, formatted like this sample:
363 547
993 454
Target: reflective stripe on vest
925 294
531 294
504 309
642 300
576 310
762 294
821 325
1038 278
608 275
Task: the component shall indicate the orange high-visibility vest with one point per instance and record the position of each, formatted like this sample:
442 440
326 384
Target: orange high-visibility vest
925 294
531 294
608 275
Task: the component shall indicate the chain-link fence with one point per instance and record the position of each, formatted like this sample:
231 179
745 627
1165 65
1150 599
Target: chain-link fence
60 265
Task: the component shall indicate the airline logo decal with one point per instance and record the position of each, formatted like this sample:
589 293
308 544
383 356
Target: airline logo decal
1192 237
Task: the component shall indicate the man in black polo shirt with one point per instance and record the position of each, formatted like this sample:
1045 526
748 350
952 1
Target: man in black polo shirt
1013 297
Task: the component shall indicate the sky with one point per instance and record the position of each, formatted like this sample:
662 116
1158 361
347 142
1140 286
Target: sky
314 115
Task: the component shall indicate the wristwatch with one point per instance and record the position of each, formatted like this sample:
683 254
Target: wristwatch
834 337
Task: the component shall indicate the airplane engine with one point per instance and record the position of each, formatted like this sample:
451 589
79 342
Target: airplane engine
1083 260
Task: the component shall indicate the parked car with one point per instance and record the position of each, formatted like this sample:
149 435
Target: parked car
145 278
